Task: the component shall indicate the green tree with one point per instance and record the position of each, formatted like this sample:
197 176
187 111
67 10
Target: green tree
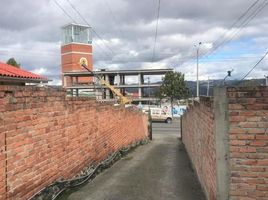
13 62
159 96
174 87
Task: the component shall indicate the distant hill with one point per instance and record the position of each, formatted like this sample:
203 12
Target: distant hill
212 83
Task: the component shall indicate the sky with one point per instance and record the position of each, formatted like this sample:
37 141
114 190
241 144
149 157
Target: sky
30 32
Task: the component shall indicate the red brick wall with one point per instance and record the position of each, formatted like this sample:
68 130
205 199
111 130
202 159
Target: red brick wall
248 132
70 57
50 136
199 140
2 157
247 150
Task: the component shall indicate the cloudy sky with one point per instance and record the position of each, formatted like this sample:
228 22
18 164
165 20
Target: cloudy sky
30 32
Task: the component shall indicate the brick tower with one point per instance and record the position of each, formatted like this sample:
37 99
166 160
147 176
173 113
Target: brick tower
76 44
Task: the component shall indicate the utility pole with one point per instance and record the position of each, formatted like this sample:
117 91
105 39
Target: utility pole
266 80
208 87
197 70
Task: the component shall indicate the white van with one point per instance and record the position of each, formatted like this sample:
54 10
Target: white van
158 114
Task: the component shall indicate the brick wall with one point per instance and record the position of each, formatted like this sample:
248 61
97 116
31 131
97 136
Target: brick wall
199 140
49 136
2 157
248 133
237 167
70 57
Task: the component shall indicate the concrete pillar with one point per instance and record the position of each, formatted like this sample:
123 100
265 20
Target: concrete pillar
98 91
124 78
117 79
107 78
122 82
107 91
139 89
64 81
142 79
72 92
140 93
139 79
72 81
222 143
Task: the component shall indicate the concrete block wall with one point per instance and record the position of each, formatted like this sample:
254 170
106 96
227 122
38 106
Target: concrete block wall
248 134
48 136
239 142
199 140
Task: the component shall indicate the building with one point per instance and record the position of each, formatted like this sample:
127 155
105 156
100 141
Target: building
116 78
77 46
10 75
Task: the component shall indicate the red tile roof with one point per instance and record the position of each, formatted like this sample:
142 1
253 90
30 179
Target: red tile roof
10 71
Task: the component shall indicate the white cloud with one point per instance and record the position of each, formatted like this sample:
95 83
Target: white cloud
40 71
33 37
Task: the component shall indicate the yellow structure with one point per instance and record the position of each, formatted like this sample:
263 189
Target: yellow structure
122 99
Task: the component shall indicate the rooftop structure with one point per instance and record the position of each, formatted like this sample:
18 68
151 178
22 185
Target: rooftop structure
10 75
76 33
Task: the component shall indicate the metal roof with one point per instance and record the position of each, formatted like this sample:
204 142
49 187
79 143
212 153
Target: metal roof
75 24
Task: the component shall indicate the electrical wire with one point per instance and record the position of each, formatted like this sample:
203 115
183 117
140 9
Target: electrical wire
103 51
93 30
73 20
114 18
254 66
236 21
244 23
64 11
156 29
223 37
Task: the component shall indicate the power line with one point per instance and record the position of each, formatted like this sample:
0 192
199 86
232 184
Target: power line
113 16
223 37
64 11
210 52
105 52
72 19
254 66
244 23
232 26
83 18
156 28
244 14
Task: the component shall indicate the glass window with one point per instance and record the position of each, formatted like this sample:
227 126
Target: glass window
76 33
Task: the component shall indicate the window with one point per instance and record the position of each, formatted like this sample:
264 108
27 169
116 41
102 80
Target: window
76 33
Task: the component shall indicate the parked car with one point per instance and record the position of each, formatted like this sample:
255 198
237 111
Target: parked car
158 114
